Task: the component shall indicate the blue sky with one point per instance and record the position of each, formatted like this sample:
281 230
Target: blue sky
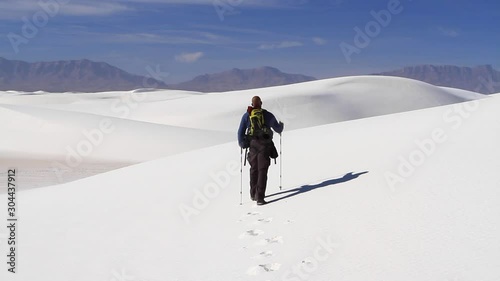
193 37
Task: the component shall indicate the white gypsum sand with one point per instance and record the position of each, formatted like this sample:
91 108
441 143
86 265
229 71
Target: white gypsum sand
410 195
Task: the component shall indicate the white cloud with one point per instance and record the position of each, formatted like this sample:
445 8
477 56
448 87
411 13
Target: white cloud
233 3
189 57
170 37
319 41
448 32
15 10
97 9
284 44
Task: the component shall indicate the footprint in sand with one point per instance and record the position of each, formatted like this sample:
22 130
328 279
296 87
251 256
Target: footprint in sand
268 220
307 262
261 221
264 254
247 215
270 267
272 240
265 267
251 232
262 268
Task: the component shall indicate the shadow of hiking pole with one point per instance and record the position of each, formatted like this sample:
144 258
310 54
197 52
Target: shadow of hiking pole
305 188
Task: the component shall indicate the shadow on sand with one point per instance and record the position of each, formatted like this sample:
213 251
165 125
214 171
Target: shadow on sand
306 188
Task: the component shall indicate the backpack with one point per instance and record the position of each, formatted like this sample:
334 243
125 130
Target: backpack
257 128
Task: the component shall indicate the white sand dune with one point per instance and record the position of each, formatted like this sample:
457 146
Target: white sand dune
338 217
44 133
410 193
149 124
54 146
300 105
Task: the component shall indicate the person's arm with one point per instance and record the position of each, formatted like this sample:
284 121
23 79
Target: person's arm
273 123
242 129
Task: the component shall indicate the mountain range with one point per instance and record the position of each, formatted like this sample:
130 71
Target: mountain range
68 76
241 79
482 79
89 76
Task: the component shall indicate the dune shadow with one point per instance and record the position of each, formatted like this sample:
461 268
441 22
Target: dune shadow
305 188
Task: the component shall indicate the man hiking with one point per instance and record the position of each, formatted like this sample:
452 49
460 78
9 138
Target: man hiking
255 133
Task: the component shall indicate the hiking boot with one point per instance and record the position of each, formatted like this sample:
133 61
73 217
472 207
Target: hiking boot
261 202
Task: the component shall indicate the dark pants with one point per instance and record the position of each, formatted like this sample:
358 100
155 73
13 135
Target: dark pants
259 160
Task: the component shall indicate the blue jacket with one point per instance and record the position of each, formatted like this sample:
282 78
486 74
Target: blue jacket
269 120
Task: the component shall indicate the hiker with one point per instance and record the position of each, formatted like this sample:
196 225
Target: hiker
255 133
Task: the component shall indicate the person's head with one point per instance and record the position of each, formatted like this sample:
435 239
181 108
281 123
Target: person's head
256 102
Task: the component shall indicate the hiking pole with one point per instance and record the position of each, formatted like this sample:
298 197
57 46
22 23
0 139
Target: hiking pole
281 161
241 176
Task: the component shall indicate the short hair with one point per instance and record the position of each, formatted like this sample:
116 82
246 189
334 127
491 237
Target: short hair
255 100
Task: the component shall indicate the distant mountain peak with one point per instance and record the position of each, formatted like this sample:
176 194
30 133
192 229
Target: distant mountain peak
67 76
241 79
268 68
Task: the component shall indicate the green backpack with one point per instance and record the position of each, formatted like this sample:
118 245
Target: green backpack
259 131
257 127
